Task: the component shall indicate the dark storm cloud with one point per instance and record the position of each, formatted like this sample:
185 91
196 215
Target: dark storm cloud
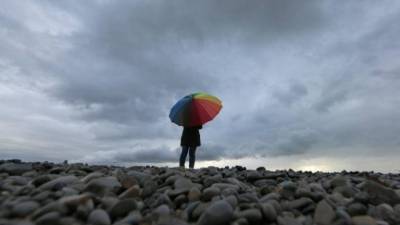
157 155
128 61
164 154
334 92
94 78
295 92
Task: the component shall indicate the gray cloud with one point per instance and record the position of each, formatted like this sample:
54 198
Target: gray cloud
162 154
139 48
296 78
295 92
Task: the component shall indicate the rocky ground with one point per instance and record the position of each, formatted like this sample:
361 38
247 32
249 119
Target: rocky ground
52 194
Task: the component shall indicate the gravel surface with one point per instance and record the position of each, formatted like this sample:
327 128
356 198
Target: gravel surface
45 193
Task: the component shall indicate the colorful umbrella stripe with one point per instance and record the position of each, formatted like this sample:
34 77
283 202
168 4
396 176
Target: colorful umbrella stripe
195 109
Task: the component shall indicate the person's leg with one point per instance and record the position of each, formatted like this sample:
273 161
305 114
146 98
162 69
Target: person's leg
192 156
184 153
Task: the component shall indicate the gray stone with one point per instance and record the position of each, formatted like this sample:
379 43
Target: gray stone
74 201
194 194
253 216
139 176
324 214
232 200
69 191
288 189
338 181
346 191
127 181
181 199
219 213
343 215
19 222
108 202
52 218
363 220
91 176
99 217
15 168
161 211
171 221
198 211
241 221
286 220
249 197
300 203
253 175
270 196
209 193
132 192
386 212
149 188
102 185
356 209
380 194
84 209
223 186
37 181
268 211
123 207
59 183
183 183
187 213
361 197
24 208
133 218
381 222
17 180
48 208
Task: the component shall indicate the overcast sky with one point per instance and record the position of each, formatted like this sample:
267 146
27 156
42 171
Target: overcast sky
312 85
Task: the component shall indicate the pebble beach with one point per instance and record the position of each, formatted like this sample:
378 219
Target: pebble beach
45 193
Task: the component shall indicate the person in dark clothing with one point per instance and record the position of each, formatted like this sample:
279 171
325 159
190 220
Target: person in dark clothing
190 140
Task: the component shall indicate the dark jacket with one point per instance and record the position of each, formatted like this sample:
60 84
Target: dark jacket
191 136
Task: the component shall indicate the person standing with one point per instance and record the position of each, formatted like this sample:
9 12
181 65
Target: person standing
190 140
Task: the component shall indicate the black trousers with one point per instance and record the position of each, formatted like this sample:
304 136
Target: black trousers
192 156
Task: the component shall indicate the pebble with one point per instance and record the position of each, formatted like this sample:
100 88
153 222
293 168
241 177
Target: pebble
386 212
232 200
99 217
380 194
209 193
91 176
123 207
253 216
300 203
76 194
103 185
356 209
268 211
194 194
59 183
218 213
51 218
15 168
287 220
132 192
324 214
24 208
363 220
338 181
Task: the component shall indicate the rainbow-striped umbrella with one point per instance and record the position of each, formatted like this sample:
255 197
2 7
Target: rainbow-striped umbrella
195 109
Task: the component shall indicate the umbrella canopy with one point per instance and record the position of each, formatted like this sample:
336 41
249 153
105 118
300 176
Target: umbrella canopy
195 109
